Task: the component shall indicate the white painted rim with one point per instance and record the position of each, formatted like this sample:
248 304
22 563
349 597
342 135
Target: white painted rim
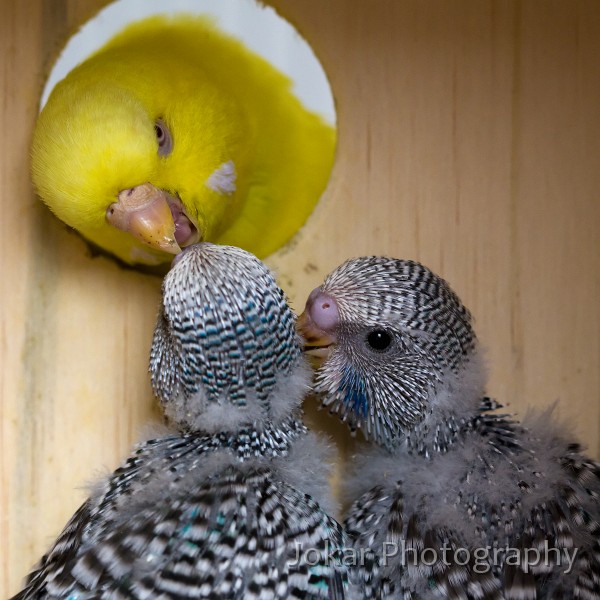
257 26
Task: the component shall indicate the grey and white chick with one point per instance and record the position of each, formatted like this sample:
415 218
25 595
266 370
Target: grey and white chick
232 502
456 500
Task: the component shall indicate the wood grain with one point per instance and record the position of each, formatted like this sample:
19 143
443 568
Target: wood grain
469 139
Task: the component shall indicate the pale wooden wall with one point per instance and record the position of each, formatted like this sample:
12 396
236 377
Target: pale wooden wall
469 140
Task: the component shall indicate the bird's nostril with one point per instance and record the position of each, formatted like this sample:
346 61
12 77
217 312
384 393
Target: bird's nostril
323 310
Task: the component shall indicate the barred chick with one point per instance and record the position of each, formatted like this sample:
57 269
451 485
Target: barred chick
457 501
231 503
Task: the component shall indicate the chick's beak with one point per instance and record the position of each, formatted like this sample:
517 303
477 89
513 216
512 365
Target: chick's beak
318 324
154 217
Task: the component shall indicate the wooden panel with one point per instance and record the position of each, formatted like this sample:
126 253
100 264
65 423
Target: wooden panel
469 140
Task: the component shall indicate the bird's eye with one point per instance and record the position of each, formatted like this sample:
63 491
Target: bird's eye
164 138
379 340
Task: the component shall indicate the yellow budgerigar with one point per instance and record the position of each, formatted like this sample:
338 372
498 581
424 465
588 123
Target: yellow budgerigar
174 132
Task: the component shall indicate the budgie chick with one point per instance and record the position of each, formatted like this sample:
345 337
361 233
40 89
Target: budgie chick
173 133
230 503
456 500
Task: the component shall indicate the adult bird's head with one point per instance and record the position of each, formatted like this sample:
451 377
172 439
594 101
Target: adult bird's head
225 352
395 346
140 151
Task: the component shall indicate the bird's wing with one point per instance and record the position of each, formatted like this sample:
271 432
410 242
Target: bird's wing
566 532
236 535
415 560
95 516
64 550
557 548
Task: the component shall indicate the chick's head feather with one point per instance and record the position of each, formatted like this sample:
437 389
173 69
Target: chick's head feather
225 345
392 334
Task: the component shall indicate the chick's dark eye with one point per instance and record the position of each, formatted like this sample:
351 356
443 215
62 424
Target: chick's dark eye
163 137
379 339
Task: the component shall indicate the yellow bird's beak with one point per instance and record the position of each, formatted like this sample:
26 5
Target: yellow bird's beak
153 216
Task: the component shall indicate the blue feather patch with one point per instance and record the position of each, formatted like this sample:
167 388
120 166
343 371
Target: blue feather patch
354 390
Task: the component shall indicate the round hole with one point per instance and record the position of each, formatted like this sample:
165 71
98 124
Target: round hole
262 32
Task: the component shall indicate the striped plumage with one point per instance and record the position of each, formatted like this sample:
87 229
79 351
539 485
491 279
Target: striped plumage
227 503
455 499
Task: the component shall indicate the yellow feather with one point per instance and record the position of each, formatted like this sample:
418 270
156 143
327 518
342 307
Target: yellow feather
95 137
